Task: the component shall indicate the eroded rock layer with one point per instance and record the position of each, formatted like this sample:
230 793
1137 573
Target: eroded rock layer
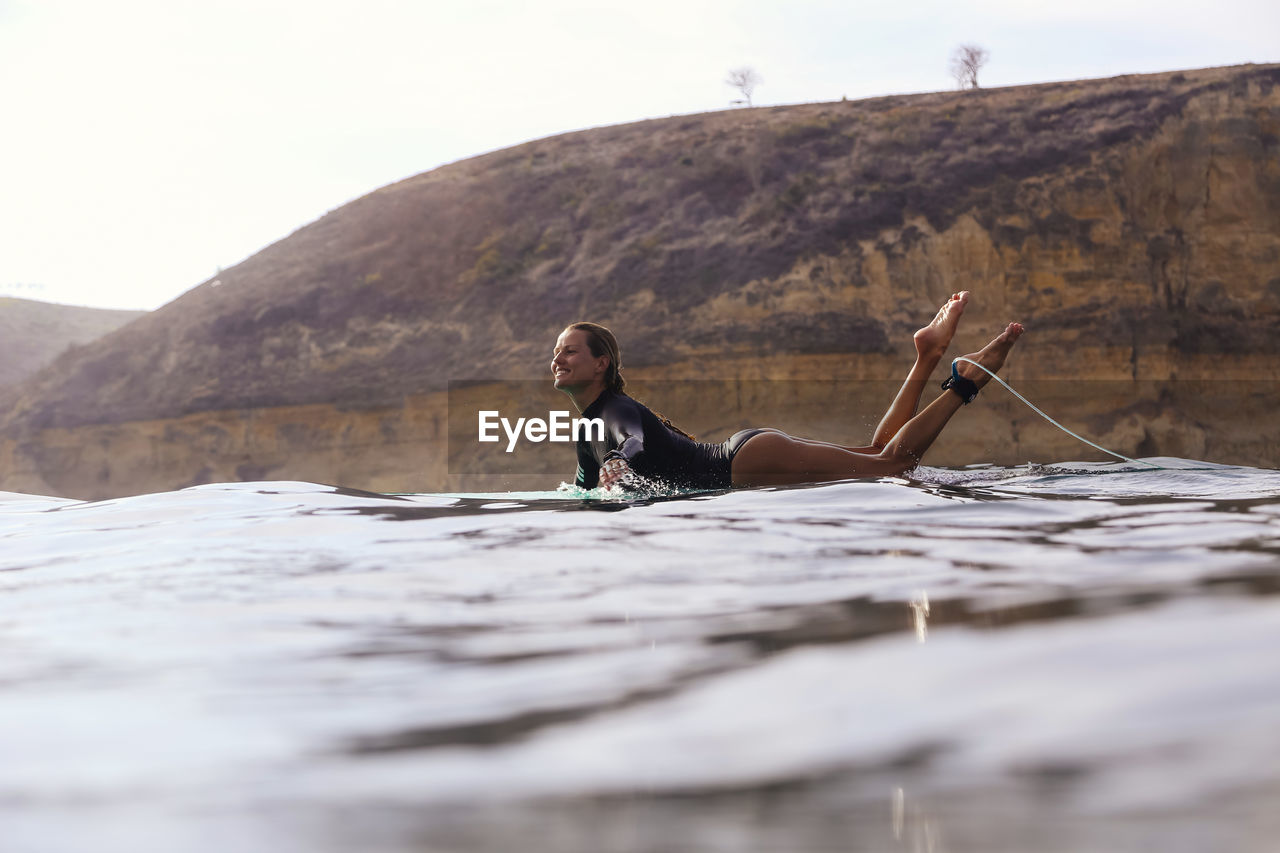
1132 224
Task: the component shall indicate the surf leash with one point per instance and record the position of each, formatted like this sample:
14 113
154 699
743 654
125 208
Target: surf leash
1039 412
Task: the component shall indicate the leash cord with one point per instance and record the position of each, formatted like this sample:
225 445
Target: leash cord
1037 410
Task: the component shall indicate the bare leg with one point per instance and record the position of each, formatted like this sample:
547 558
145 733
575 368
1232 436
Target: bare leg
775 458
931 343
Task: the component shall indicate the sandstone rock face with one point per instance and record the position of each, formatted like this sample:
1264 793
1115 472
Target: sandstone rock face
761 267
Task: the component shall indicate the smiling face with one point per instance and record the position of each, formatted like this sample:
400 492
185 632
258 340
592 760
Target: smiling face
573 367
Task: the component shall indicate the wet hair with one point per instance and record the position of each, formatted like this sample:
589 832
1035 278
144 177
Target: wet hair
601 341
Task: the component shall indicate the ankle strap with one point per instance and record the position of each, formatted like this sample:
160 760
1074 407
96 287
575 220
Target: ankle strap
966 388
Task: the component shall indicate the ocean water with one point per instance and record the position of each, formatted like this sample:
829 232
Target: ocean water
1050 657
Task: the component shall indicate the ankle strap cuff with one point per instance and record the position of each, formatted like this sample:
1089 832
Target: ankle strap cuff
966 388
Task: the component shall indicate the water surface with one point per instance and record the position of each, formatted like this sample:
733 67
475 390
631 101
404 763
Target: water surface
1065 657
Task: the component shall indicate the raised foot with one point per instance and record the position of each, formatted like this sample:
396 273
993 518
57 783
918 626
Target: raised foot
932 341
991 357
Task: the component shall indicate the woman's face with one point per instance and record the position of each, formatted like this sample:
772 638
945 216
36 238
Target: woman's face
572 364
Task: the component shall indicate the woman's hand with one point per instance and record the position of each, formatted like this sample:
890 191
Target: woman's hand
614 472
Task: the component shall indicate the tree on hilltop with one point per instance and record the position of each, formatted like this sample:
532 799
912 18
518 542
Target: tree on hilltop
966 62
745 80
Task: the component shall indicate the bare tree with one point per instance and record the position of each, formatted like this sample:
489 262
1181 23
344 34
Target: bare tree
745 80
966 62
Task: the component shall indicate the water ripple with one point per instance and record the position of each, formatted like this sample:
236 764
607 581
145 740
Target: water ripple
1091 643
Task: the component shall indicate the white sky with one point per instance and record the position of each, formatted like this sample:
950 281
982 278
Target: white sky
144 144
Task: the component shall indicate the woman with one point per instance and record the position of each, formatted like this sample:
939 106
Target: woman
586 366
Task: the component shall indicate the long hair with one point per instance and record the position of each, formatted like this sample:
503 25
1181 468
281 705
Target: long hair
601 341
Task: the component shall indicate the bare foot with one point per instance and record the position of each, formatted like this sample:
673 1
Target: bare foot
932 341
992 356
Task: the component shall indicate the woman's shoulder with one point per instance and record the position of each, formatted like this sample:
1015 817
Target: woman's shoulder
611 402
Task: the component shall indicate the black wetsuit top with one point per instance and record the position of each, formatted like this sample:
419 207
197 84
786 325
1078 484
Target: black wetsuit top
652 449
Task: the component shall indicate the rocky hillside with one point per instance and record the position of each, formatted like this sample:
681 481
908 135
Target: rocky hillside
33 333
1133 224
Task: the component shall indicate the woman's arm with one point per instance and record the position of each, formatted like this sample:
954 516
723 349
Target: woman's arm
622 419
614 472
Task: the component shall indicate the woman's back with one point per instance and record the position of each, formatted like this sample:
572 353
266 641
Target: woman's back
650 447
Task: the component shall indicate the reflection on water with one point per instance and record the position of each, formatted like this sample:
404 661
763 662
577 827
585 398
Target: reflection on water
920 615
1067 657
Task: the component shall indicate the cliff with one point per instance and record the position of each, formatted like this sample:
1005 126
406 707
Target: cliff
33 333
1133 224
